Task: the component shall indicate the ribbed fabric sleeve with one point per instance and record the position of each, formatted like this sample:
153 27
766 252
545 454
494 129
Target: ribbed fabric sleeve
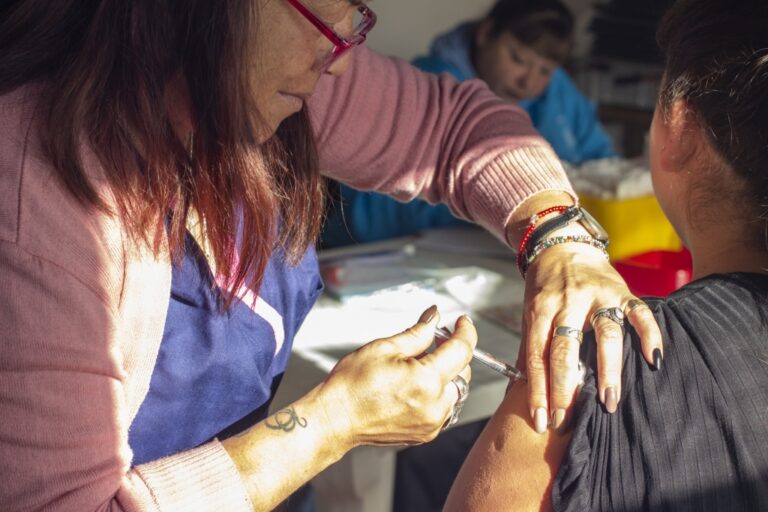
82 314
693 436
195 480
387 126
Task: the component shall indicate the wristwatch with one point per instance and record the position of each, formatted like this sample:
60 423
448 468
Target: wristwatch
593 227
573 213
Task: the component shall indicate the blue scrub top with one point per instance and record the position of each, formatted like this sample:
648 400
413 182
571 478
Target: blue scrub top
216 373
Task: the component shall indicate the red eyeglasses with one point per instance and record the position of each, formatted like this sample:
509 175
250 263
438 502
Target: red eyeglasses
363 22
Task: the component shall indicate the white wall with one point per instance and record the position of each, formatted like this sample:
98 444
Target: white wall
406 27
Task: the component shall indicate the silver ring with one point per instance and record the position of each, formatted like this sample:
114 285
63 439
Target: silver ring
569 332
615 315
463 388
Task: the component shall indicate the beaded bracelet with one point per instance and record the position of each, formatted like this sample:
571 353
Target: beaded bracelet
532 222
556 240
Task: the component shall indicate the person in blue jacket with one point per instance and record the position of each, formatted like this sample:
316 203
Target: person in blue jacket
518 50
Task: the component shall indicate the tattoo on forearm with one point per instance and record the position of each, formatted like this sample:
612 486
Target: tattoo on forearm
285 420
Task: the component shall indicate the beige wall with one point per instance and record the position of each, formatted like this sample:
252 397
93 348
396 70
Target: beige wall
406 27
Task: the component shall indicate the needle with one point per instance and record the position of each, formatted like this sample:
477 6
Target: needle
487 359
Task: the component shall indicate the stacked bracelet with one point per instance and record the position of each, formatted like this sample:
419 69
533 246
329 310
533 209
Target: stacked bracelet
556 240
570 214
536 234
532 227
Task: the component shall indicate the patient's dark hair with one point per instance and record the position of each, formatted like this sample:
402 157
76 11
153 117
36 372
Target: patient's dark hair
717 61
544 25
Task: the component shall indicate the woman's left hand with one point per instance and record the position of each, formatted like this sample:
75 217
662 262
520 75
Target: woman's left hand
565 286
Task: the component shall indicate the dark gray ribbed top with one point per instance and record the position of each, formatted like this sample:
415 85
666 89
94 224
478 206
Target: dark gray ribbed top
693 436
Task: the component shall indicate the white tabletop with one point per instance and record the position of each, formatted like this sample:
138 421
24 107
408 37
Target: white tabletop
461 271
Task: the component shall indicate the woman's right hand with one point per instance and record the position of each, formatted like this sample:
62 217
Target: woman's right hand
390 391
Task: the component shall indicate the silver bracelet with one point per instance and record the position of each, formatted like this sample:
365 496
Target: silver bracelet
556 240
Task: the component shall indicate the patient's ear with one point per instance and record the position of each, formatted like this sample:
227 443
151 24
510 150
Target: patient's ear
679 135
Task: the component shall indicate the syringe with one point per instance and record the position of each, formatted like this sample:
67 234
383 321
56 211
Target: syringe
487 359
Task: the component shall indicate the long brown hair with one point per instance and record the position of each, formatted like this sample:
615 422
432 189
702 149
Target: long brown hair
105 66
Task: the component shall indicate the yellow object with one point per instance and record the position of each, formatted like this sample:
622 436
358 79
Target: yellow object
634 225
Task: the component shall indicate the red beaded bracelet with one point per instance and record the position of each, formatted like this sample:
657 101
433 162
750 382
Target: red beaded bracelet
531 226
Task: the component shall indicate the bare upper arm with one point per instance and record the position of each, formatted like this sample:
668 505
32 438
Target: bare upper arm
510 467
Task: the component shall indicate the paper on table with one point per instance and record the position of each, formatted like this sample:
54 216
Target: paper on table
357 316
333 330
364 317
508 316
399 274
492 297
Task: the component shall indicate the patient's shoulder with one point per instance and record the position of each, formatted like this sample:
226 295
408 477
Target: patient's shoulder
709 402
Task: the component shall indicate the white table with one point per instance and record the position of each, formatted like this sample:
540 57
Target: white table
363 481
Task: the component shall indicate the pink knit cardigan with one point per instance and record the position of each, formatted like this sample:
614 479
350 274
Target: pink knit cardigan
82 309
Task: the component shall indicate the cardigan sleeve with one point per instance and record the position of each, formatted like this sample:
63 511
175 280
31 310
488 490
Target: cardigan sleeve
64 415
386 126
82 316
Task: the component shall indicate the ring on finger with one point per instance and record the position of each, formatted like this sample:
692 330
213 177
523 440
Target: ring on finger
463 388
569 332
634 304
615 315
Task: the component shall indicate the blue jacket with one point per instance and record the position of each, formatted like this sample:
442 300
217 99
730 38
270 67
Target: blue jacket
563 116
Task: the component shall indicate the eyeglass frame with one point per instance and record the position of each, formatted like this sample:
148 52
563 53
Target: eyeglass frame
341 44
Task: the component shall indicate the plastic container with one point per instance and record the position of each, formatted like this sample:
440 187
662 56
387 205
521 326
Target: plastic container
635 226
656 273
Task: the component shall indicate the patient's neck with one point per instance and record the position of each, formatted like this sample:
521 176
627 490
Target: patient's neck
727 248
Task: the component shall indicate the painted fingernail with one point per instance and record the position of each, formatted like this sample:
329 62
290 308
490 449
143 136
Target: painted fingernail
558 418
657 359
611 401
428 315
540 420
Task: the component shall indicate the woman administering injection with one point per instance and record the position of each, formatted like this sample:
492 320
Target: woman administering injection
165 164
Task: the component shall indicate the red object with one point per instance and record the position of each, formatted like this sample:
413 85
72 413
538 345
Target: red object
657 273
529 231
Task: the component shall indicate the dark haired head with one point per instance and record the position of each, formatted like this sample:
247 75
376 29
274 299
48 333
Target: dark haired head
717 61
106 66
544 25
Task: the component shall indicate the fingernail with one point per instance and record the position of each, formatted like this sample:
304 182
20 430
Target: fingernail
558 417
469 318
657 359
428 315
540 420
610 400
